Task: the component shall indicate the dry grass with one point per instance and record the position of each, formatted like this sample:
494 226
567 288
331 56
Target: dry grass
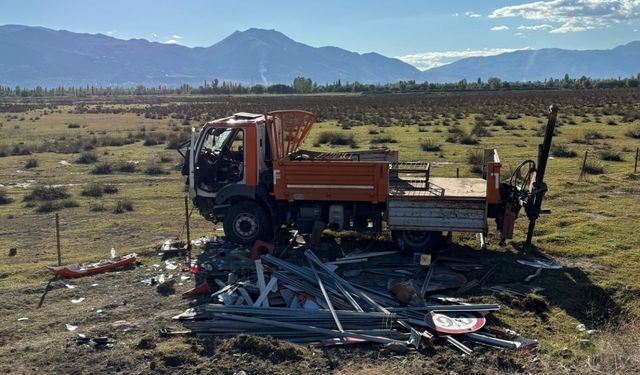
617 350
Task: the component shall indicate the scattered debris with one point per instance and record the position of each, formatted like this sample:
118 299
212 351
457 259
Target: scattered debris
306 300
13 252
70 327
23 319
198 290
99 343
77 300
166 288
540 263
79 270
70 286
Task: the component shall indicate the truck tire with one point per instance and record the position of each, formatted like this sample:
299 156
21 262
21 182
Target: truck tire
411 241
246 222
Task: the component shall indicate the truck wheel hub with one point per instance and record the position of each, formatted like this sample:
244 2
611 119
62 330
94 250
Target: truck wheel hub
246 225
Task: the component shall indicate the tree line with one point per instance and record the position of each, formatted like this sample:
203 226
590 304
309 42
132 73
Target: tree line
302 85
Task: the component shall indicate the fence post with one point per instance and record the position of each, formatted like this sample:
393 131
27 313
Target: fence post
584 163
635 166
186 215
58 239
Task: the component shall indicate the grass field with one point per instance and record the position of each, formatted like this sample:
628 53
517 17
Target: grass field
592 229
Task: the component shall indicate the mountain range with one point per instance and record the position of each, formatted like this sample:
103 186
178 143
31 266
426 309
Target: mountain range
33 56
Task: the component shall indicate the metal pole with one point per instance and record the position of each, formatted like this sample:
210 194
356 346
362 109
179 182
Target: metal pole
635 166
584 163
186 216
58 239
539 187
457 172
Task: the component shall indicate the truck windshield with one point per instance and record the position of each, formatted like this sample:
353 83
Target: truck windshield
216 139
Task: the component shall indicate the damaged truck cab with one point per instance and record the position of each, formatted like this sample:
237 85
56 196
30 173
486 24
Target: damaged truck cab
248 172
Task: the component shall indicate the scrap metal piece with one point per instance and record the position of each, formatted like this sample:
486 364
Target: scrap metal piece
326 298
299 327
540 263
427 279
458 345
261 283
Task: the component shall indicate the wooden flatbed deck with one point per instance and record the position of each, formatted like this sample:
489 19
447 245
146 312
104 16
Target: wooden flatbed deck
448 188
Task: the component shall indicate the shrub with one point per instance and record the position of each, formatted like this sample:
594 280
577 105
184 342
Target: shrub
468 139
4 197
154 139
592 134
47 193
31 163
102 168
126 167
155 170
430 146
87 158
174 142
122 206
499 122
51 206
336 139
480 130
92 190
73 126
110 189
165 159
374 131
633 133
611 155
475 157
384 139
563 151
612 122
593 167
97 207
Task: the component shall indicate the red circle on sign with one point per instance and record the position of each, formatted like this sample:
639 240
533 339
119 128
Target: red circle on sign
454 322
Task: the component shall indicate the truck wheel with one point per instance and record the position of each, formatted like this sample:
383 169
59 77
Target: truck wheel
413 241
246 222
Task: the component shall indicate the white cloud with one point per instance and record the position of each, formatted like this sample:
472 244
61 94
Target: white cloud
536 27
174 36
635 30
574 15
171 41
455 14
520 35
472 15
428 60
111 32
499 28
154 35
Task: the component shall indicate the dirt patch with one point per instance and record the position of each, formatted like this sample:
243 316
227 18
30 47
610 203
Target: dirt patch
268 348
597 216
582 263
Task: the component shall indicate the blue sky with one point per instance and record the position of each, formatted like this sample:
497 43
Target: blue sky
425 33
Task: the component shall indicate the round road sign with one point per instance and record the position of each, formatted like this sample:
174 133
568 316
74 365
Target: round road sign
454 322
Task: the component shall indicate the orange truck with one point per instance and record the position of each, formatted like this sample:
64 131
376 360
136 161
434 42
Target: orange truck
248 172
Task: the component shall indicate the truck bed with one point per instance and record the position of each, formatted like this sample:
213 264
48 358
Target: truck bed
444 204
439 188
